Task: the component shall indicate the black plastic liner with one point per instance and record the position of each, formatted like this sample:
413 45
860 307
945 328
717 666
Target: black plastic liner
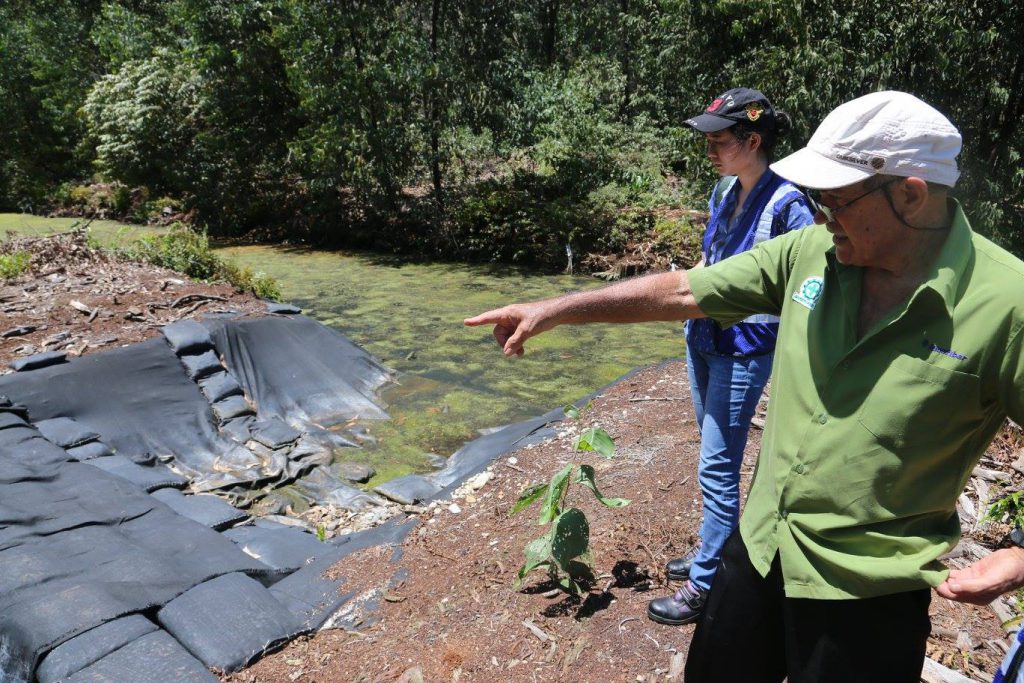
142 404
102 581
291 367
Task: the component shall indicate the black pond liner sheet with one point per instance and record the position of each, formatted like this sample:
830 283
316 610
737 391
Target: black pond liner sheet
102 581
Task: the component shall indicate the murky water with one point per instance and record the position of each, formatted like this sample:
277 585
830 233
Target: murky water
452 379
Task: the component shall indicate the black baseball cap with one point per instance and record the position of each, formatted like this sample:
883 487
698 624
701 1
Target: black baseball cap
734 106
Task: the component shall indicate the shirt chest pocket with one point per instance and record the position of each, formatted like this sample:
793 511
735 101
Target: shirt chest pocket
917 408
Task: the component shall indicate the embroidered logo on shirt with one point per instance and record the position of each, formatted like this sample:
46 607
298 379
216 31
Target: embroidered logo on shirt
809 292
945 352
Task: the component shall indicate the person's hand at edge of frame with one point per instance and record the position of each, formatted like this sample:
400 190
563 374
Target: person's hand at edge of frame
513 325
986 579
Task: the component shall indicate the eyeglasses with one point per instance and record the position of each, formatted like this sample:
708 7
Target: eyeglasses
830 213
719 146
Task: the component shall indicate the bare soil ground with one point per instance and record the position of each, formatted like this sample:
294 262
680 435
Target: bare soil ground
78 300
454 615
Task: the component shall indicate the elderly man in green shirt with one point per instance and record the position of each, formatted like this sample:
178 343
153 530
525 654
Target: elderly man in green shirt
900 354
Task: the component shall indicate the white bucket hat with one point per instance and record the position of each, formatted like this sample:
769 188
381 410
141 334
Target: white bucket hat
885 132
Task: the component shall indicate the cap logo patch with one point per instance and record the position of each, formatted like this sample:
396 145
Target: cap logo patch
877 163
851 159
754 111
714 106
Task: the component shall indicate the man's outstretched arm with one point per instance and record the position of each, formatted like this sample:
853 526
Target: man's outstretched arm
663 296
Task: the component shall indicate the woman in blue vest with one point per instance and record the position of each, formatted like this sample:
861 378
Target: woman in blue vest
729 368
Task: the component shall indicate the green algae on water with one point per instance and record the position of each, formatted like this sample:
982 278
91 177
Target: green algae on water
452 380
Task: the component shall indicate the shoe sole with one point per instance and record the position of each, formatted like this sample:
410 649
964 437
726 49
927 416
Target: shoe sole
673 622
678 577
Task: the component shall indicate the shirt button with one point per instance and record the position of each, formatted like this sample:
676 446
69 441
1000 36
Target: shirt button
823 418
799 469
846 365
783 514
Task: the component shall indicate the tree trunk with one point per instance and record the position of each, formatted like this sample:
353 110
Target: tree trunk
626 59
432 111
550 35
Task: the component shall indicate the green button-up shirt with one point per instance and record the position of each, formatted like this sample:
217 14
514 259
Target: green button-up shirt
869 442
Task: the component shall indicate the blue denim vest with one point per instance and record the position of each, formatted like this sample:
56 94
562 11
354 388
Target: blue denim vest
773 207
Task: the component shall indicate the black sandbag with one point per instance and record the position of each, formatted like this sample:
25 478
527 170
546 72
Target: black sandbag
324 485
312 597
231 407
187 336
8 407
309 451
88 451
27 446
95 644
200 365
66 432
139 400
283 309
208 510
238 427
74 495
9 419
39 360
153 658
219 386
228 622
284 548
104 550
409 489
273 433
146 478
299 370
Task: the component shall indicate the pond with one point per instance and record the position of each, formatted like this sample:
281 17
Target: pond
453 380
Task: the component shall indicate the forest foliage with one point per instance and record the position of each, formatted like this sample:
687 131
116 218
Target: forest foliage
479 130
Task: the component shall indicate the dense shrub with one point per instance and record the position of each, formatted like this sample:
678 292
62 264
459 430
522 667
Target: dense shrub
471 129
188 251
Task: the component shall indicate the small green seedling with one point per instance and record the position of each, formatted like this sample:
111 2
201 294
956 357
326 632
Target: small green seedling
1008 508
564 551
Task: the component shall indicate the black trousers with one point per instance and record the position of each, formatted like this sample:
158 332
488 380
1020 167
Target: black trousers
752 633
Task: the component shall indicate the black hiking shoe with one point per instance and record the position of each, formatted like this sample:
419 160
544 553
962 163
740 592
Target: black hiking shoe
679 569
684 607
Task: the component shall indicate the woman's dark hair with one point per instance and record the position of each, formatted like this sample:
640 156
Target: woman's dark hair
770 129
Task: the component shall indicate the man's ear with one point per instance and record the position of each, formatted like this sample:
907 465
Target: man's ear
910 194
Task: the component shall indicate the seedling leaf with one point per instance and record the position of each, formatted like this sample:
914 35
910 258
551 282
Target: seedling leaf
570 537
586 478
528 496
571 412
556 488
595 439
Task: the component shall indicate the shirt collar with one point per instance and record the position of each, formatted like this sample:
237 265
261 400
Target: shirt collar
951 263
767 177
953 259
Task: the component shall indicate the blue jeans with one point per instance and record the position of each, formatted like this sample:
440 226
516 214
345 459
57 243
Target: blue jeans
725 393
